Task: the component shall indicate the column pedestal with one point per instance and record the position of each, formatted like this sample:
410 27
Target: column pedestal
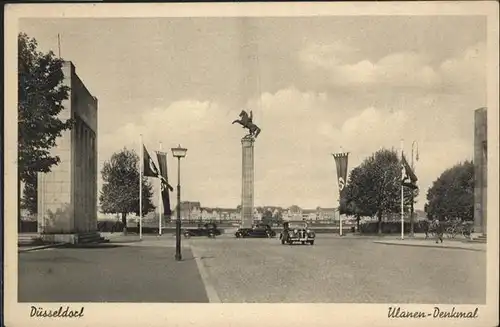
247 181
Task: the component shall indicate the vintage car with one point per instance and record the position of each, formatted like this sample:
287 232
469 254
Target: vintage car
208 229
297 232
256 231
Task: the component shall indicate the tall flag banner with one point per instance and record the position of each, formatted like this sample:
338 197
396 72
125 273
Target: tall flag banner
408 177
166 188
341 163
150 169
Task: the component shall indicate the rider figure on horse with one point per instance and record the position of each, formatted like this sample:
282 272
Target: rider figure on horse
246 121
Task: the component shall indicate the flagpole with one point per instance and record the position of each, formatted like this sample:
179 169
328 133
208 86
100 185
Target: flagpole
141 162
402 192
412 195
160 203
59 45
340 216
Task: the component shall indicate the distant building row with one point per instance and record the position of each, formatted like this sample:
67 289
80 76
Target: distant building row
194 211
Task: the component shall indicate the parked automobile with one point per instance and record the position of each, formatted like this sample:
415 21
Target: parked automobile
208 229
294 232
256 231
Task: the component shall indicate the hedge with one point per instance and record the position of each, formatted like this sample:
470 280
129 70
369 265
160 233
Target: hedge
28 226
109 226
393 227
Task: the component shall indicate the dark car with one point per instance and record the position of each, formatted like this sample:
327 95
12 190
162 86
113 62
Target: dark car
208 229
297 233
256 231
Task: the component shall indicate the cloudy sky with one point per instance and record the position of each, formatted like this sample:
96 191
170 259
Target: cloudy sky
315 85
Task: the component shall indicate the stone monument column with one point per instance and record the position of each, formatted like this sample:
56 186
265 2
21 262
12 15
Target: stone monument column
67 195
247 181
480 170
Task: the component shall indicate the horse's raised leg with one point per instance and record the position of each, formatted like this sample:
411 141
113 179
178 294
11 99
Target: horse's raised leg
257 132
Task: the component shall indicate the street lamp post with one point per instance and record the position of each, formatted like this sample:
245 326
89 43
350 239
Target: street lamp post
178 153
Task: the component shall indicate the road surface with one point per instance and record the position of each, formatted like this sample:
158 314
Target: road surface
340 271
226 269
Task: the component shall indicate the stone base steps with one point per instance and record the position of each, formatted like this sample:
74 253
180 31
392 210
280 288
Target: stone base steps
76 238
27 238
479 239
91 237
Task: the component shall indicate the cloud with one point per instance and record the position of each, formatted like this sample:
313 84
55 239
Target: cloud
373 129
186 119
359 94
202 127
293 162
287 153
409 70
301 128
467 72
326 55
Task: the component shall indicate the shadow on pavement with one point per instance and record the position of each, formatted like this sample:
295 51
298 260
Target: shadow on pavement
91 246
118 241
29 245
434 246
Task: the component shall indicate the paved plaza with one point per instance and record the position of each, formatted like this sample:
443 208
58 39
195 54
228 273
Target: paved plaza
230 270
109 273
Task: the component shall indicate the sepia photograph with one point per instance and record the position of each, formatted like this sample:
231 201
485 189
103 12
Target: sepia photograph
254 154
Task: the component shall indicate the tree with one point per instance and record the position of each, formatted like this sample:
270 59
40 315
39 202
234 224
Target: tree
278 216
452 194
267 217
40 96
374 187
120 191
30 196
347 203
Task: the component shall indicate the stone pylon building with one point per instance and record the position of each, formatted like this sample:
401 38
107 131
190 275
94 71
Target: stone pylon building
67 196
480 171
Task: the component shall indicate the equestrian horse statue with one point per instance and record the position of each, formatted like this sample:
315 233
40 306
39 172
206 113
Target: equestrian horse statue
247 122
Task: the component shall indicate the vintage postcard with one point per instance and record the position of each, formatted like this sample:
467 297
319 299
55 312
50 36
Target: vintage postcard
251 164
